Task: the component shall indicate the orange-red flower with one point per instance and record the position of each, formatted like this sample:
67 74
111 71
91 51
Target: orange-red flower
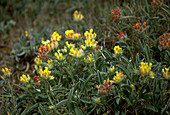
105 87
115 15
138 27
164 41
43 51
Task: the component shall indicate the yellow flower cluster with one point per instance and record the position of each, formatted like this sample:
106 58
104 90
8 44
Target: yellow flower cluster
111 70
6 71
145 70
70 34
117 50
46 73
45 42
28 35
118 78
37 60
38 67
78 16
59 56
55 37
166 73
24 78
76 53
70 45
50 63
91 43
89 59
90 34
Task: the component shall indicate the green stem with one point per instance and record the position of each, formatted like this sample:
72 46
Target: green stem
13 97
49 98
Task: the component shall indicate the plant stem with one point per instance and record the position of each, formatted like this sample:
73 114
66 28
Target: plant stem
13 97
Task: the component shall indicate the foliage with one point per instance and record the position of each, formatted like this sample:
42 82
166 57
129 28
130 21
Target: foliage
120 67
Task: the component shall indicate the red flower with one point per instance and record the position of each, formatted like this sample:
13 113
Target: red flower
35 78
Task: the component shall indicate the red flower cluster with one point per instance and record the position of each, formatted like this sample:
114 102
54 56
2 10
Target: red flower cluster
156 3
164 41
43 51
139 27
122 35
105 87
35 78
115 15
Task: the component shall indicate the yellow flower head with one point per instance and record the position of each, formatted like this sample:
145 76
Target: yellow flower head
70 34
53 44
118 78
78 16
117 50
55 37
70 45
6 71
166 73
91 43
46 73
145 68
24 78
89 59
45 42
76 53
51 107
90 34
111 70
59 56
38 61
50 63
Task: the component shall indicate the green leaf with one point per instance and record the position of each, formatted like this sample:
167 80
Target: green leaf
61 103
150 107
78 111
125 71
29 109
70 96
85 100
127 87
98 62
148 54
42 110
21 87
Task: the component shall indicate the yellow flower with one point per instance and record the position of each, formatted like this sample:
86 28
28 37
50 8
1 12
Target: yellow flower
6 71
70 45
50 63
117 50
77 16
55 37
53 44
46 73
91 43
51 107
24 78
132 85
70 34
90 34
89 59
118 78
145 68
76 53
45 42
111 70
59 56
37 60
97 100
166 73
